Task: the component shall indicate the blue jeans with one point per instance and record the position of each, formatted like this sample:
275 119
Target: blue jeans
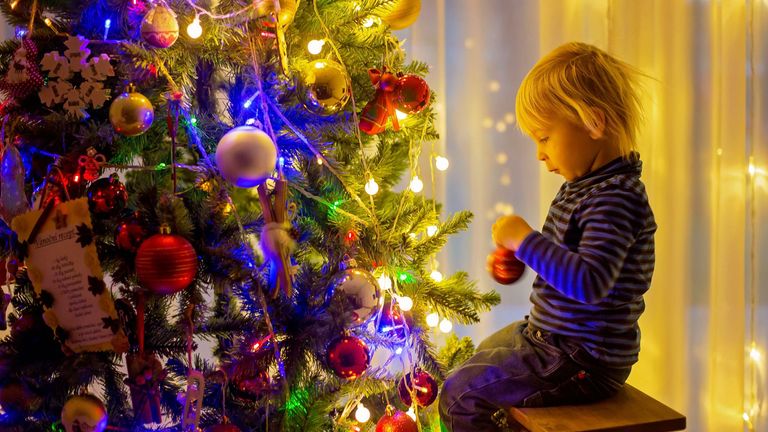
526 367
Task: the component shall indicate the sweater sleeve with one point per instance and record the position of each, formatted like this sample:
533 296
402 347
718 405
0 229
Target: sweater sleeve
588 274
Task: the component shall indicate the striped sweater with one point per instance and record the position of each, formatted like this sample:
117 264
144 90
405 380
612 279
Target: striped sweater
594 260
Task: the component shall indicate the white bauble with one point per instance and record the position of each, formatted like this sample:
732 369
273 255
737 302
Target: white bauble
246 156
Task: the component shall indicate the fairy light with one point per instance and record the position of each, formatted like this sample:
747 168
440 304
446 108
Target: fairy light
385 283
362 414
194 29
436 276
319 160
431 230
445 325
441 163
416 184
406 303
754 354
369 22
399 350
315 46
411 413
248 102
107 25
371 187
433 319
14 3
401 115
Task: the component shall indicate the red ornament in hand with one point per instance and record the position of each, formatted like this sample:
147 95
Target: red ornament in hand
166 263
373 118
505 267
412 94
348 357
422 385
397 422
107 195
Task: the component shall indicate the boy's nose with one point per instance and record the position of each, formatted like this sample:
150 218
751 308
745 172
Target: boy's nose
540 155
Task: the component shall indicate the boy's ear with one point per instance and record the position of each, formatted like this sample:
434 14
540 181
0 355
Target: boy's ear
598 131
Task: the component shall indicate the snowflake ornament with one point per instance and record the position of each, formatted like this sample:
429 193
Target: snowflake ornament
23 76
76 98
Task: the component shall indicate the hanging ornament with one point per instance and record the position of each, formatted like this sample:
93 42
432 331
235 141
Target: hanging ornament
419 383
23 76
166 263
348 357
412 94
107 196
396 421
13 199
129 234
84 413
505 267
268 10
403 14
324 87
15 397
90 91
373 118
145 373
252 384
246 156
359 293
131 113
159 27
90 164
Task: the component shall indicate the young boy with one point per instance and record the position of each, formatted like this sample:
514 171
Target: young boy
594 258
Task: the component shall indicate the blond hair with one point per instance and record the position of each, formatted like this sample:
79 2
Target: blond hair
574 81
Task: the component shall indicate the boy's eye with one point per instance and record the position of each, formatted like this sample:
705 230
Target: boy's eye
543 140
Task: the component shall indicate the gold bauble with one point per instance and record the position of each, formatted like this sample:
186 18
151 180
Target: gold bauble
288 8
324 87
131 114
403 14
84 413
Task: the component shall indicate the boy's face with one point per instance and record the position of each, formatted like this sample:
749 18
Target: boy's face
568 149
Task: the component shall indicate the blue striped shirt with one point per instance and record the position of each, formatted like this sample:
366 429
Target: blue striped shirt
594 260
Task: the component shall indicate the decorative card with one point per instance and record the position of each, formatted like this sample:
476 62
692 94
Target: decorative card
58 249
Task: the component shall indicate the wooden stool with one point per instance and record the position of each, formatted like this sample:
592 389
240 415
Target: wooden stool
630 410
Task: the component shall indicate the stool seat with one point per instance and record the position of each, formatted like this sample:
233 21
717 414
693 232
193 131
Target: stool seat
629 410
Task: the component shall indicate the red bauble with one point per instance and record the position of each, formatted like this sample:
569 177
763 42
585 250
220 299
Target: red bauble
129 234
422 384
166 263
107 195
505 267
348 357
397 422
412 94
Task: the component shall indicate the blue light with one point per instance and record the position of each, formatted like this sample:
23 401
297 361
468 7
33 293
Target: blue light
107 25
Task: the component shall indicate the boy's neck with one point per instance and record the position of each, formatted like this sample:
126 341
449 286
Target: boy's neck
607 153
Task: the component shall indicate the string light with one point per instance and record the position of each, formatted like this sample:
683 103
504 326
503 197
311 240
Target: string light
399 350
411 413
441 163
433 319
385 283
371 187
406 303
431 230
248 102
107 25
401 115
754 353
194 29
369 22
446 326
416 184
436 276
319 160
315 46
362 414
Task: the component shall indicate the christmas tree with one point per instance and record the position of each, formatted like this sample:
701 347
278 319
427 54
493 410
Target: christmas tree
229 184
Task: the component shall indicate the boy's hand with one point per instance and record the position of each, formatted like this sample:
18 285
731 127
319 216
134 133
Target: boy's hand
510 231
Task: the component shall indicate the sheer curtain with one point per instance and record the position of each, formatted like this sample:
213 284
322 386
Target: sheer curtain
704 150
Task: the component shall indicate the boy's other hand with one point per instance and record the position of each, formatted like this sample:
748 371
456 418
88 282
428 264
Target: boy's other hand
510 231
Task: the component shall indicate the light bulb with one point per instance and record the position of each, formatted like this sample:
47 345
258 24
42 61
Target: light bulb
416 184
411 414
368 22
194 29
436 276
433 319
445 325
441 163
362 414
401 115
319 160
754 354
315 46
431 230
385 283
371 187
399 350
406 303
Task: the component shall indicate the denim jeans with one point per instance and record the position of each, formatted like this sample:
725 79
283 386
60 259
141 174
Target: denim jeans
526 367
